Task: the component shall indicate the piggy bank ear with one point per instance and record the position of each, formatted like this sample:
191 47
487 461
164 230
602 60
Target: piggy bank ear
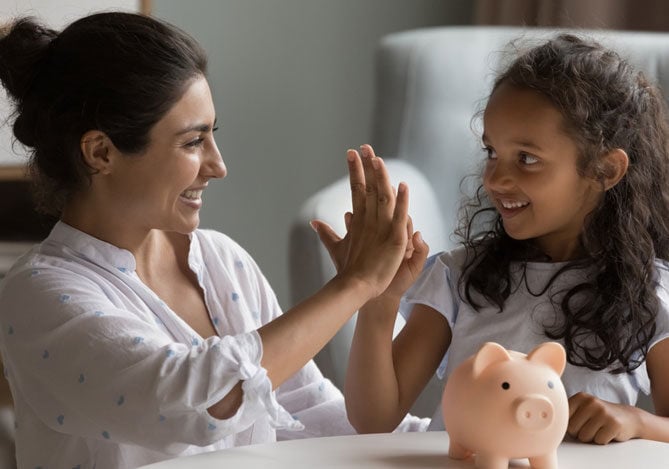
551 354
489 354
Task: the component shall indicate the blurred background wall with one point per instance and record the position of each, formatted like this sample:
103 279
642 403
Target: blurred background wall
292 83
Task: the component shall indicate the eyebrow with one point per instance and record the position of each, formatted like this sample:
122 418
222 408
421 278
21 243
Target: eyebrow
522 143
197 128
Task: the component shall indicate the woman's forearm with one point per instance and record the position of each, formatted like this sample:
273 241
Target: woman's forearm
292 339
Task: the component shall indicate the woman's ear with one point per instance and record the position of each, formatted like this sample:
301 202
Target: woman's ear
614 167
96 148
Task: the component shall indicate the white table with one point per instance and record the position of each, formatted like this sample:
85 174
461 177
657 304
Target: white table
409 450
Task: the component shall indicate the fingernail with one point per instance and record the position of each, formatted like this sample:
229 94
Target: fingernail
313 226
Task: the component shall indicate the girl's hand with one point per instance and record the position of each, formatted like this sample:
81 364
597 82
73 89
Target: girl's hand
411 266
376 239
593 420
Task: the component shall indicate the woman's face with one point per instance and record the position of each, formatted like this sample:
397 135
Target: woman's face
531 173
162 187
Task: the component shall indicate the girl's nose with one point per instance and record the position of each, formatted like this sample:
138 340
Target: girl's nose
498 175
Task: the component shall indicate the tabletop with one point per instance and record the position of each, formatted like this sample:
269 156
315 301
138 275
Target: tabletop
423 450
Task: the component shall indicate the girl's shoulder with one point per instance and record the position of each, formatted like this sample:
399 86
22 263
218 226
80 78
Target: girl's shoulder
453 259
662 272
662 266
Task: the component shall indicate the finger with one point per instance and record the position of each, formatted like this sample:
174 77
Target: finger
328 237
358 192
356 173
348 216
589 429
577 416
401 212
576 402
605 435
367 154
326 234
421 248
410 246
385 192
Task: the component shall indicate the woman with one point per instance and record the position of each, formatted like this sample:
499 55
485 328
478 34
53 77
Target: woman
130 336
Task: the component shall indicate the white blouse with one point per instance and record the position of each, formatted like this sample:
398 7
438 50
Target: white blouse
104 374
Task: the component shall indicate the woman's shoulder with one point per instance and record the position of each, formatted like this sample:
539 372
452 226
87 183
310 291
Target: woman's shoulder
220 245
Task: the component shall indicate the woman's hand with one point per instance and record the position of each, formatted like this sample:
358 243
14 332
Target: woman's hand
377 239
593 420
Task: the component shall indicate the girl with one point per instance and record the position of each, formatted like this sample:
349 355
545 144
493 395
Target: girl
568 241
129 335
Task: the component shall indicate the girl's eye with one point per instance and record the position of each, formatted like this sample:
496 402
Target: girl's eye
528 159
490 153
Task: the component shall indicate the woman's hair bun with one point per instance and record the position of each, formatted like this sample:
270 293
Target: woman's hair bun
23 46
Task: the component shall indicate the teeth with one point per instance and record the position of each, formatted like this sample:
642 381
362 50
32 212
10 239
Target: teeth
514 204
193 194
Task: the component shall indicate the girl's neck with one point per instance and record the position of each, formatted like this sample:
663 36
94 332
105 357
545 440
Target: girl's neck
562 251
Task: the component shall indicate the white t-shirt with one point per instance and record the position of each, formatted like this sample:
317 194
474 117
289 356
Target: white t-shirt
520 326
104 374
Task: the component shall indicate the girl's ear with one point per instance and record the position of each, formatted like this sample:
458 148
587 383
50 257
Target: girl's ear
96 149
614 167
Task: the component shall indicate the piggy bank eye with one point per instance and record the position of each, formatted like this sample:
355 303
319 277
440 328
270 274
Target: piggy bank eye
505 385
550 384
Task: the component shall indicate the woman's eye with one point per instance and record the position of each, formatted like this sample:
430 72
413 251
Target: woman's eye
195 143
528 159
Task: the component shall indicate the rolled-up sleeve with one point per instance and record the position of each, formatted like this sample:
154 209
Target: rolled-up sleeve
89 368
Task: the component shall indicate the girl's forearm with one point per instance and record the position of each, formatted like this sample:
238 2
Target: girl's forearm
371 389
653 427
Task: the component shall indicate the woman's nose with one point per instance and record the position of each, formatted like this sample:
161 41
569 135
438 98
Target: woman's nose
213 165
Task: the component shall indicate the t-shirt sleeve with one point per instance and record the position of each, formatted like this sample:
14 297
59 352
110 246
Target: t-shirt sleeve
435 287
662 320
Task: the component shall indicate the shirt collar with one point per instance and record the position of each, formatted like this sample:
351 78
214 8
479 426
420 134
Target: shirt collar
91 248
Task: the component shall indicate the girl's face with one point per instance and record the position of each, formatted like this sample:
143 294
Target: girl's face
162 187
531 175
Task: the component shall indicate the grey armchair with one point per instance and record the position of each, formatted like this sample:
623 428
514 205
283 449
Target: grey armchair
429 85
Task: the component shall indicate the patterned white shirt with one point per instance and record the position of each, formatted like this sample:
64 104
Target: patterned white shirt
104 374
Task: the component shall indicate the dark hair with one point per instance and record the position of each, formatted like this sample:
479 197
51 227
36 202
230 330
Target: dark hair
608 319
114 72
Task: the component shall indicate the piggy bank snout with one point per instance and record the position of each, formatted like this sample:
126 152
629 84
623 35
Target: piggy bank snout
534 412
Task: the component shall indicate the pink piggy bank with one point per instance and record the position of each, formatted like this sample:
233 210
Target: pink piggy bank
503 405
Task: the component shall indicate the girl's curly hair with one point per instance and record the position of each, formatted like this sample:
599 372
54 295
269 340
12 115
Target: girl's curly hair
608 319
